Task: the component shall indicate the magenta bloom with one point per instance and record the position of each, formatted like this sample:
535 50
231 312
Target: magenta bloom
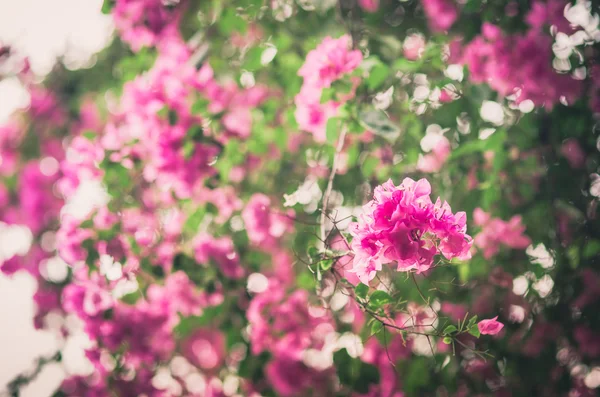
520 65
221 251
441 14
205 348
434 161
572 151
496 232
401 225
265 227
329 62
369 5
490 327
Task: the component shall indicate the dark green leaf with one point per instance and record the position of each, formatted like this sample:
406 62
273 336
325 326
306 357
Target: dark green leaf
376 327
377 76
361 290
450 329
379 123
379 298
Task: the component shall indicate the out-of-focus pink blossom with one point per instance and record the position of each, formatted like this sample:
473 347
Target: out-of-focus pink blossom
433 161
441 14
219 250
142 23
369 5
413 46
327 63
330 61
205 348
496 232
572 151
264 226
520 65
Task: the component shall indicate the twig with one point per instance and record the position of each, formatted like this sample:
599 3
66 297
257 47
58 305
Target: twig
340 146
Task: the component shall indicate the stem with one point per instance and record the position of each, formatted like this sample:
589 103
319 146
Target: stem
336 157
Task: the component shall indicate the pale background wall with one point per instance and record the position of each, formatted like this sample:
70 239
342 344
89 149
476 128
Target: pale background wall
42 30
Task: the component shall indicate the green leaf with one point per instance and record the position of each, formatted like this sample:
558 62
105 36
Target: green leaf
354 373
332 129
591 249
199 106
306 281
447 340
472 321
474 330
107 6
450 329
379 298
361 290
406 66
313 254
252 59
196 133
377 76
188 149
467 148
230 22
188 324
193 221
376 327
326 264
327 94
379 123
369 165
89 135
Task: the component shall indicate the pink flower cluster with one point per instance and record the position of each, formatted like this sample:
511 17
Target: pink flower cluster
401 225
142 23
434 161
441 14
219 251
145 328
496 232
287 326
265 226
520 65
329 62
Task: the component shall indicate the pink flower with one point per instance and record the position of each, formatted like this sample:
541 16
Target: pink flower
572 151
433 162
496 232
413 47
142 22
441 14
219 250
312 117
329 62
369 5
490 327
263 225
205 348
520 65
401 225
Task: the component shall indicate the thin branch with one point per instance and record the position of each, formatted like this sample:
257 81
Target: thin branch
327 194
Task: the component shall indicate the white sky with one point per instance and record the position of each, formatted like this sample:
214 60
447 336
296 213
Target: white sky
41 30
46 29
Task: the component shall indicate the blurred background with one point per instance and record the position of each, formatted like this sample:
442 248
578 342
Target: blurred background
42 30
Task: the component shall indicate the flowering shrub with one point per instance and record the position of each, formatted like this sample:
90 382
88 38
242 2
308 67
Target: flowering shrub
236 200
